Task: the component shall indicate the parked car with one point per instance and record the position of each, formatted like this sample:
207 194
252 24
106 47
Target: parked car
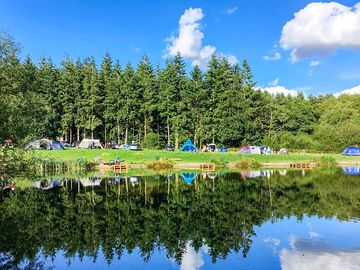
135 146
169 147
283 151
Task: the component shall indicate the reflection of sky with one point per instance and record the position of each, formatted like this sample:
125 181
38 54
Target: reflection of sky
312 243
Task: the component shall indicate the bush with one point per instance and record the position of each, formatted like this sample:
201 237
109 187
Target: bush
247 163
161 164
152 141
326 162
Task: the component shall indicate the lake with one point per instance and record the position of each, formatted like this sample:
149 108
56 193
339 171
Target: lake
266 219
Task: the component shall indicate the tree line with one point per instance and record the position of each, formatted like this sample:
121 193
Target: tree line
159 105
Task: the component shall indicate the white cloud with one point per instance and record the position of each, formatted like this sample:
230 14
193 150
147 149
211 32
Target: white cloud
305 254
275 57
314 234
351 91
191 260
276 90
189 40
322 28
274 83
231 11
314 63
272 240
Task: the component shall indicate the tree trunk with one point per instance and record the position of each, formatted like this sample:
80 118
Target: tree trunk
66 136
78 134
145 127
168 129
126 133
118 133
71 135
105 139
92 134
176 140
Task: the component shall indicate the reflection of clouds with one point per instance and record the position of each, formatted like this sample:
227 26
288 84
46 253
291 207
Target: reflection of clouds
314 235
318 255
191 259
272 240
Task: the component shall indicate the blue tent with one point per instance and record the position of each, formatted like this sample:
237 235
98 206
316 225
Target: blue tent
352 151
188 147
188 177
223 150
352 170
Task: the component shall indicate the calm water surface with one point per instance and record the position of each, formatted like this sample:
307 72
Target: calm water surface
272 219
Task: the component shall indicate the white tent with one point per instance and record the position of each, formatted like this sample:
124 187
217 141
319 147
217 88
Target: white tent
90 144
90 182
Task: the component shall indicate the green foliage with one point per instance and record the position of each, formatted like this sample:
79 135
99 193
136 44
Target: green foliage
152 141
326 162
78 99
161 164
247 163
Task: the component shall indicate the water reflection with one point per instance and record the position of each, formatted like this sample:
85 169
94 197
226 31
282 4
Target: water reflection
195 219
352 170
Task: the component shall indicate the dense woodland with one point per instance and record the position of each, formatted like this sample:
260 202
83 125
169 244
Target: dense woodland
156 105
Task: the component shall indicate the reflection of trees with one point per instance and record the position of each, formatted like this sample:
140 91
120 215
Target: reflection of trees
162 212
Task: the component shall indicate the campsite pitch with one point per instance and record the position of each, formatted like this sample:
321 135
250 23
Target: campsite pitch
147 156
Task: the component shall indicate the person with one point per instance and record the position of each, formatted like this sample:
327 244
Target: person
117 159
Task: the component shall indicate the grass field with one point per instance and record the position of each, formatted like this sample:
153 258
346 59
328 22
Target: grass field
146 156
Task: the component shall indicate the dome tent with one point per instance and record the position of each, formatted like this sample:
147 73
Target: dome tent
352 151
188 147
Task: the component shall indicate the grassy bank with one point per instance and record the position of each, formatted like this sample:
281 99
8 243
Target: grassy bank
148 156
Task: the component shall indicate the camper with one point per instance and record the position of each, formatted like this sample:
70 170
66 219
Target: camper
90 144
212 147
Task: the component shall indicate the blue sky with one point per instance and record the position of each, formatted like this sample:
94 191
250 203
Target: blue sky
318 52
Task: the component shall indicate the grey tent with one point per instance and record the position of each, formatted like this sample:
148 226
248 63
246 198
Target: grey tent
44 144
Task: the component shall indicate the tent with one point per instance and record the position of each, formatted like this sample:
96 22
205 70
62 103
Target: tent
188 177
223 150
254 150
352 151
44 144
90 181
90 144
188 147
266 150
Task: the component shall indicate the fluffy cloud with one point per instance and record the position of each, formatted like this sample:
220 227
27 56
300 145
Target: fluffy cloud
231 11
320 29
189 40
306 254
275 57
276 90
351 91
191 260
314 63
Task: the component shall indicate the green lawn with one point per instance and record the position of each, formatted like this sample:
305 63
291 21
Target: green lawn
151 155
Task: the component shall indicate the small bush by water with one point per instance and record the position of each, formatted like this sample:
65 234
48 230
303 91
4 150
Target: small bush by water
161 164
247 163
326 162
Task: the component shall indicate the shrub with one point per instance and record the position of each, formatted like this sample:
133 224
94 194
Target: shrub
326 162
247 163
161 164
152 141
